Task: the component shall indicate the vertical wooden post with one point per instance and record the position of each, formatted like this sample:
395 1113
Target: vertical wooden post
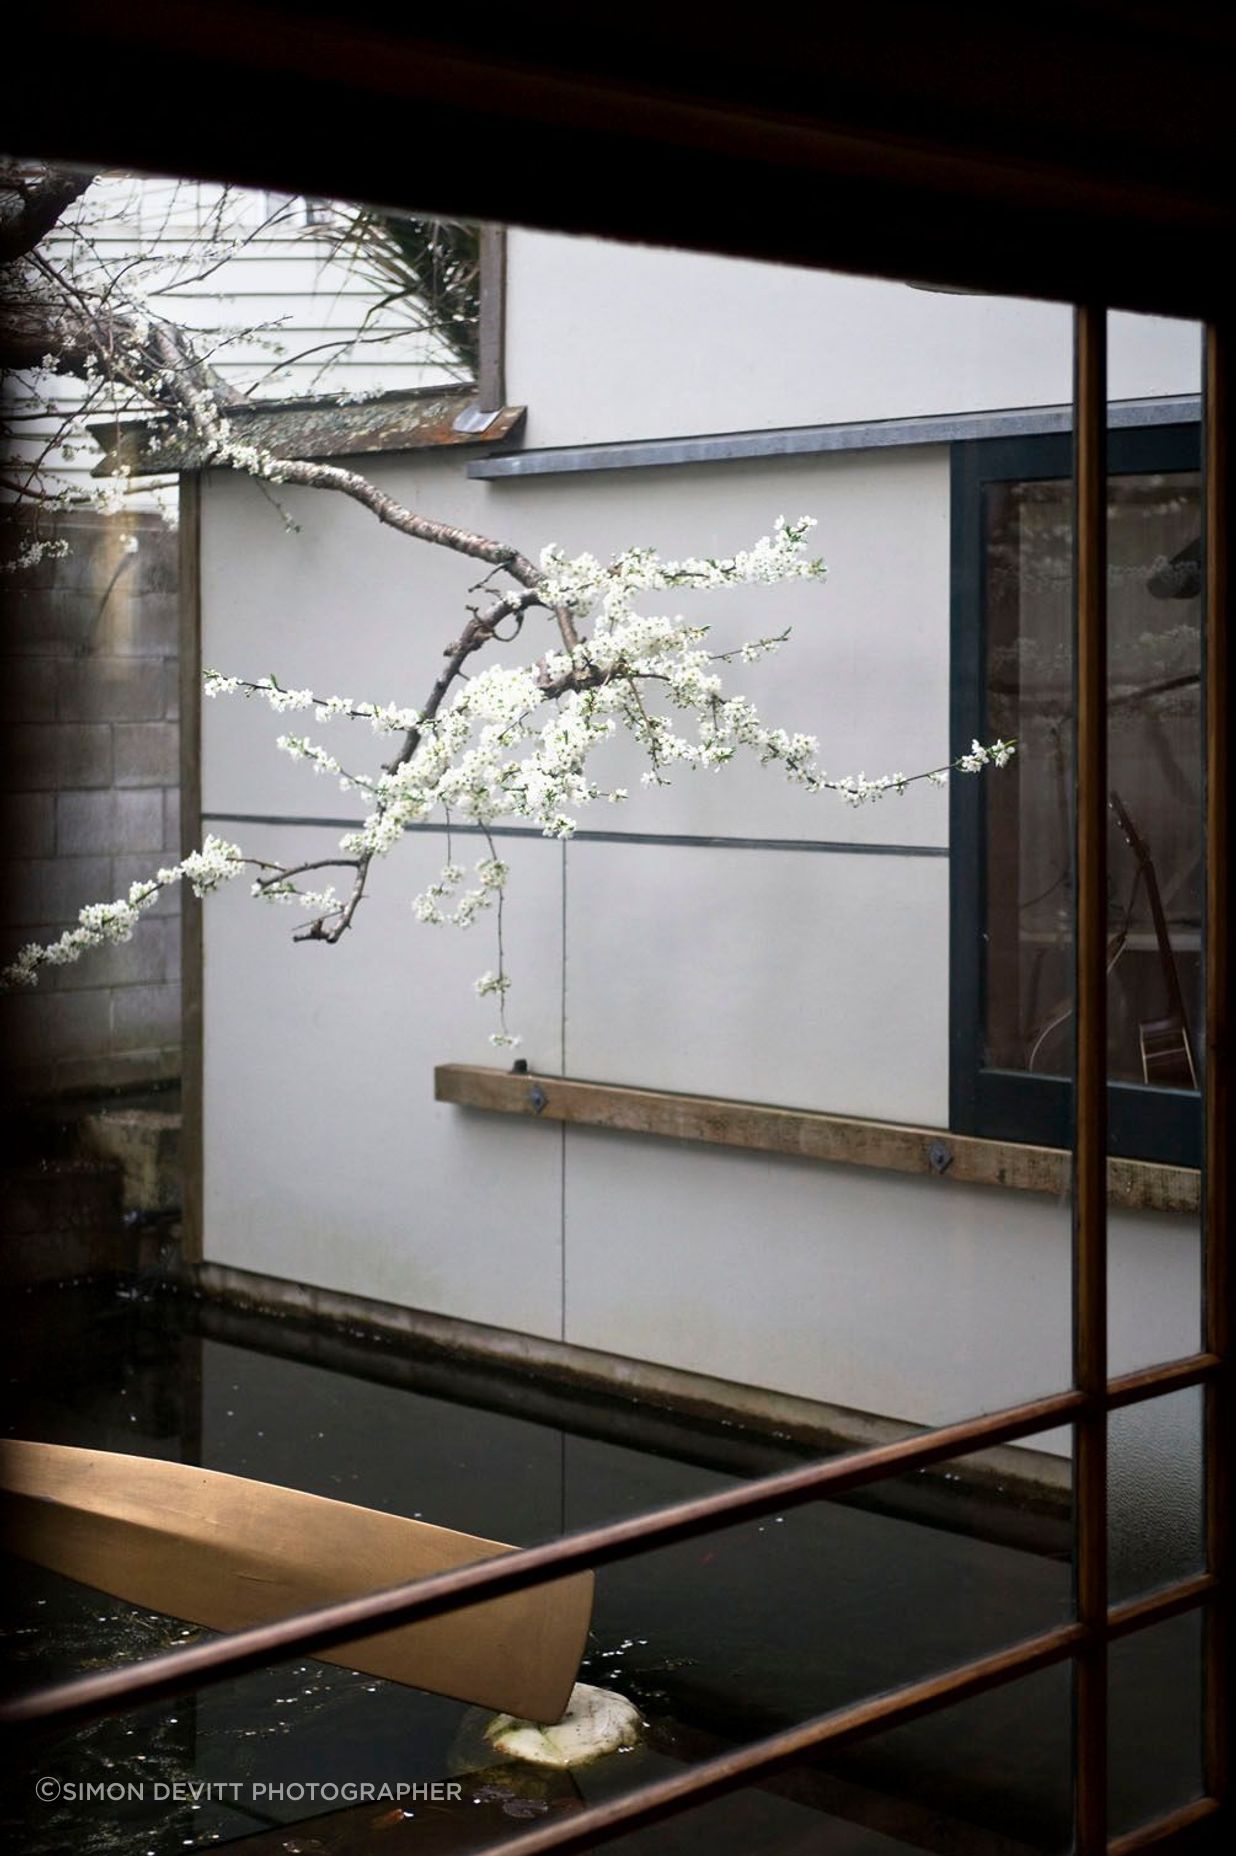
1220 1122
190 840
491 337
1090 1132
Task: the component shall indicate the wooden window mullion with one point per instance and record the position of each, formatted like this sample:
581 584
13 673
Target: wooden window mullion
1090 1120
1219 1121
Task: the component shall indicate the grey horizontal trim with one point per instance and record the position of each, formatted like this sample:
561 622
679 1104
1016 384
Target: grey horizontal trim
697 841
809 440
354 824
680 839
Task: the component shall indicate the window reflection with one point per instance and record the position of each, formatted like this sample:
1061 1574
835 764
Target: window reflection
1154 844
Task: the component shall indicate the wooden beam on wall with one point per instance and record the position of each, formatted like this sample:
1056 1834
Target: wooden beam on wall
808 1134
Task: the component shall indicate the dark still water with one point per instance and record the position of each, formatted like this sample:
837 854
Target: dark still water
718 1641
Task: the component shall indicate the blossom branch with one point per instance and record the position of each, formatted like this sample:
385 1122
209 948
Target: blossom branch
488 742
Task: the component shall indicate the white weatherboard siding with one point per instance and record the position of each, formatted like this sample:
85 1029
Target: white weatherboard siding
280 315
808 976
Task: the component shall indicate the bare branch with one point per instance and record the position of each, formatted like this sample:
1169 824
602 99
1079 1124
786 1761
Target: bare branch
394 515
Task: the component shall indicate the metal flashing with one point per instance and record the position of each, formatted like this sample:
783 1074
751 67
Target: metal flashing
809 440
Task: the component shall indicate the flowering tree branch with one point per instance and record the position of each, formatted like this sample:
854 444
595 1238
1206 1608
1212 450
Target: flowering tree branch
517 742
487 743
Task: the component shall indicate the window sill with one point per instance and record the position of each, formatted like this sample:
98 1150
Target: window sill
806 1134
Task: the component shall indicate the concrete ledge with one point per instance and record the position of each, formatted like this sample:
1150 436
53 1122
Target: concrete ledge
1010 1475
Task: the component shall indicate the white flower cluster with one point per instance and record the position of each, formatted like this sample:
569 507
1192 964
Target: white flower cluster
857 790
583 583
102 922
998 754
383 718
517 742
492 753
203 422
301 748
491 876
33 552
310 901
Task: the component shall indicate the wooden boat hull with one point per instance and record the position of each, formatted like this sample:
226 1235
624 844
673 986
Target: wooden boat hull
226 1551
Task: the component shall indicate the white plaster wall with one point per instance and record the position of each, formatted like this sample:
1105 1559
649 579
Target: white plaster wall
326 1158
815 976
352 608
866 667
925 1300
617 342
779 1273
818 980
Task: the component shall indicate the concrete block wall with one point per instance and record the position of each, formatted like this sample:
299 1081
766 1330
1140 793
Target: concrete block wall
89 741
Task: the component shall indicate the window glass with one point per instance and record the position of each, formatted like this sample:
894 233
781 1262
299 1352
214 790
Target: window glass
1154 846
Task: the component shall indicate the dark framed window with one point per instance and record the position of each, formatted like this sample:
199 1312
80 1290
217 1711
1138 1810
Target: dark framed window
1011 836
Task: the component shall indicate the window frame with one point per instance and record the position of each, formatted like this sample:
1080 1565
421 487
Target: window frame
1144 1123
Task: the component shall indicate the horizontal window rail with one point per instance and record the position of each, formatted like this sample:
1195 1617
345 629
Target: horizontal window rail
729 1771
810 1134
1196 1369
1147 1836
1170 1601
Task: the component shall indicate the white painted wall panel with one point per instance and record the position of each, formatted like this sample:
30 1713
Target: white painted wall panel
326 1158
922 1300
1154 1289
866 668
813 979
863 1289
618 341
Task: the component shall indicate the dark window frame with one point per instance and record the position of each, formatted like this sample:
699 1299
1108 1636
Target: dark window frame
1145 1123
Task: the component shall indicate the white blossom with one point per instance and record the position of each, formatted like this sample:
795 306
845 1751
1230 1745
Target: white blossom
32 552
518 742
102 922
